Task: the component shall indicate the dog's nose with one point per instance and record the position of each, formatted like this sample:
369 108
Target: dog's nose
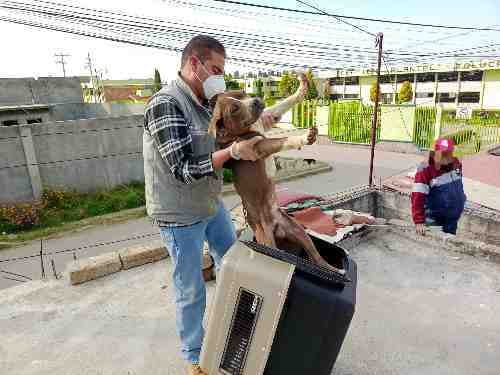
257 105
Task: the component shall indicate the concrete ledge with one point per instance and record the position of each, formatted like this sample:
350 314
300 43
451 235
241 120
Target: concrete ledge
83 270
448 241
138 255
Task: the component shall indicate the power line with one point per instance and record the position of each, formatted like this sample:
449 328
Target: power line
358 18
336 17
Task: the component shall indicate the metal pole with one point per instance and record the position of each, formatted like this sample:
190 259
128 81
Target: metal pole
379 40
53 264
41 259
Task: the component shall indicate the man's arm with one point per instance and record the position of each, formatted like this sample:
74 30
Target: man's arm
418 196
167 125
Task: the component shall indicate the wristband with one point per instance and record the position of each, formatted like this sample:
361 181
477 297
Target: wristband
233 151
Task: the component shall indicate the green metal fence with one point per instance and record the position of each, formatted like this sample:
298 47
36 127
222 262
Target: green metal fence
351 122
424 129
304 114
472 135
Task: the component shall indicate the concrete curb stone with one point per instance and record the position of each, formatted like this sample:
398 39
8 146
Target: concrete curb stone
138 255
86 269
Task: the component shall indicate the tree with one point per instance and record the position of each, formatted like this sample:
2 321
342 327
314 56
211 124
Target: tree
405 92
259 88
288 84
231 84
157 82
373 92
312 92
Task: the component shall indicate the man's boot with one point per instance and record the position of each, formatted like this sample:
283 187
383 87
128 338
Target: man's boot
195 370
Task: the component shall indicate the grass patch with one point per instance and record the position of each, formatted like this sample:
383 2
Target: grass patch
57 208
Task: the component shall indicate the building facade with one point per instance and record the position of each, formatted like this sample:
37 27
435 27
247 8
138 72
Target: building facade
270 85
474 84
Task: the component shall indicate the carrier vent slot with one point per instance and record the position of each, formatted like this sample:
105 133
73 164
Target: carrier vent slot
238 342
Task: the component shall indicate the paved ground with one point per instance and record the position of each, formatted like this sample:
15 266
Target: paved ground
350 168
419 311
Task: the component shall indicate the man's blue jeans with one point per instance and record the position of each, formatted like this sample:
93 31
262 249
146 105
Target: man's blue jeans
185 245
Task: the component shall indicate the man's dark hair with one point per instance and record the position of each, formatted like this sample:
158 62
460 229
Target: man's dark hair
201 46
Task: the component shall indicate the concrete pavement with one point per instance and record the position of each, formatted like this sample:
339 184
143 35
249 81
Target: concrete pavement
420 310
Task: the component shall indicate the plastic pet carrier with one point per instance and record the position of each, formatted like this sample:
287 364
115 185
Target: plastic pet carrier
274 313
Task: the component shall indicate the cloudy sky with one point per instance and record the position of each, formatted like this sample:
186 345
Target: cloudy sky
28 51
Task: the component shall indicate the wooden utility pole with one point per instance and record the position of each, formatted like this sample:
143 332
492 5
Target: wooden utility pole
378 43
61 61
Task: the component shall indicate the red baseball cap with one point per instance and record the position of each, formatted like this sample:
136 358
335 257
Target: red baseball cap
444 144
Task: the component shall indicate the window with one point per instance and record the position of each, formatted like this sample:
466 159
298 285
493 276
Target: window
351 81
34 121
426 77
336 96
475 75
336 81
420 95
387 79
400 78
351 96
468 97
10 122
387 98
446 97
448 77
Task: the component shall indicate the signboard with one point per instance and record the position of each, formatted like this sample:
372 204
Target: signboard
464 113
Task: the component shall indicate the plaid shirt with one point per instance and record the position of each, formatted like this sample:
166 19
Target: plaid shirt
166 123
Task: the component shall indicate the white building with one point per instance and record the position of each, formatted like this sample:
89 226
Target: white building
474 84
270 85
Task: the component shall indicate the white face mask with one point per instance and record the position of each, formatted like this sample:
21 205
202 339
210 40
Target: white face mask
213 85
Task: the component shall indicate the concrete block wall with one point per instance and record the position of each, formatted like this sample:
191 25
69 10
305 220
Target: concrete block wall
83 155
77 111
44 90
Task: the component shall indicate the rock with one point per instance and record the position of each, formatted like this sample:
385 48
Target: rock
86 269
142 254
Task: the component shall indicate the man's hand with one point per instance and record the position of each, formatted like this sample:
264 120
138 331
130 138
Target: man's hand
269 119
245 149
420 229
312 135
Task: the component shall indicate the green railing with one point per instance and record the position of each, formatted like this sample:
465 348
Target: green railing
304 114
425 124
351 122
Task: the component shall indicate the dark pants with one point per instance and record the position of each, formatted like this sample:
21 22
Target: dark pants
448 225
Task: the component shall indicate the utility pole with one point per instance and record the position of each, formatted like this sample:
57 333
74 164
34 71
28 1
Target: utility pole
89 65
378 43
61 61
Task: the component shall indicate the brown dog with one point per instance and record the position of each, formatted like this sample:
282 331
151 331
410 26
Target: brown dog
234 117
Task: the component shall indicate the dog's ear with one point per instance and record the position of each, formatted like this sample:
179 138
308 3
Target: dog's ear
216 119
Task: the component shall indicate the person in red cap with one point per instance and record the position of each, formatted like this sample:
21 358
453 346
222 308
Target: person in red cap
438 196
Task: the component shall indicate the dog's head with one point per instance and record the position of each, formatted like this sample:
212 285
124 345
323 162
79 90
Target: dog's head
233 114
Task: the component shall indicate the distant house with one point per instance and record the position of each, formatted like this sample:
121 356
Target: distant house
119 91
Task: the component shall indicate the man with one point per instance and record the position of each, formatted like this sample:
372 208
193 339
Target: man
183 181
438 196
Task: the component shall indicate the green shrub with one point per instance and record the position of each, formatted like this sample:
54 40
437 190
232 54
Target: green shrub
227 176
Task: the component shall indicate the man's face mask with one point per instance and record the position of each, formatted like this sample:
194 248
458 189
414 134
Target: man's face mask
213 85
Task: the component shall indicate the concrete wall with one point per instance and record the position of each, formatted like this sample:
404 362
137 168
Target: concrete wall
44 90
397 122
76 111
491 93
83 155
